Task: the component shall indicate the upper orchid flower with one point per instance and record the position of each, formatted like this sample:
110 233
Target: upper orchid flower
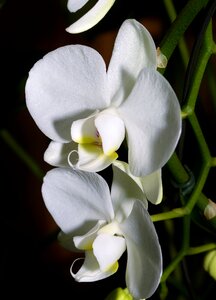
85 109
104 225
92 17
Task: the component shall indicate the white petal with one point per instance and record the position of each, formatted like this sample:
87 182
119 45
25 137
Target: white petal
84 130
152 118
84 242
123 193
76 199
134 49
57 153
151 184
69 83
144 265
111 130
93 159
90 270
108 249
92 17
74 5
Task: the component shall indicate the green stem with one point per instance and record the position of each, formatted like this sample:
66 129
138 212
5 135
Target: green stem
201 249
174 165
184 249
171 267
201 202
21 153
172 214
179 174
206 156
204 56
183 211
206 164
182 45
168 4
179 26
195 197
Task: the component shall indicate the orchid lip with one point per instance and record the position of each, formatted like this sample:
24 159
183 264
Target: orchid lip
73 161
99 136
111 228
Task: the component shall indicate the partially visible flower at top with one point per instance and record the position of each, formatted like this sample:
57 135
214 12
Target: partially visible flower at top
89 111
91 18
104 224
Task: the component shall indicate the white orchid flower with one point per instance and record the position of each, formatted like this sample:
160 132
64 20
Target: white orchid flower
104 224
87 109
91 18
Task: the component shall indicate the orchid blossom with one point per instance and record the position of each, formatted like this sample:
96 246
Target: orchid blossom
104 224
91 18
88 111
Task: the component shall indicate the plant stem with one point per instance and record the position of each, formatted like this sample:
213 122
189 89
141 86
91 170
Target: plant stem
201 249
181 44
21 153
179 26
204 56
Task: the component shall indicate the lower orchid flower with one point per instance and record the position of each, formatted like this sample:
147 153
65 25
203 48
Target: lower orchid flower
92 17
104 225
88 111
